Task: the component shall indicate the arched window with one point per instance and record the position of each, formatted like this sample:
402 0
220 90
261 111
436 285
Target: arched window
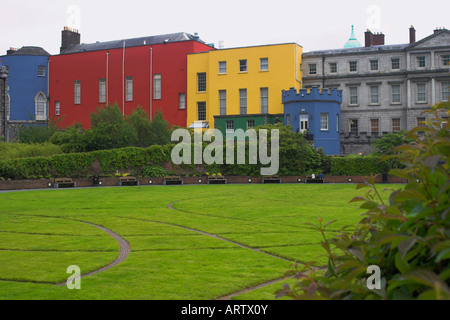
41 106
41 71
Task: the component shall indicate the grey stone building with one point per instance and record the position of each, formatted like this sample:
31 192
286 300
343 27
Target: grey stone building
386 88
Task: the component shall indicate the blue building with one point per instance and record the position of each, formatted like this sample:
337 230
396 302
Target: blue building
317 114
28 85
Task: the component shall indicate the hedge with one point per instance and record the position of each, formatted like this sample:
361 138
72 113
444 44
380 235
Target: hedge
77 165
360 166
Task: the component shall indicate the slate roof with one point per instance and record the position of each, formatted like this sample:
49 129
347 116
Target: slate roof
31 51
134 42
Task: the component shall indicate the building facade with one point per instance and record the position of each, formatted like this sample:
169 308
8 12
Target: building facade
239 88
150 72
27 91
317 114
386 88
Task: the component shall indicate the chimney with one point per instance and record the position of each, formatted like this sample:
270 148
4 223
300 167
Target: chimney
412 35
369 38
378 39
11 51
69 37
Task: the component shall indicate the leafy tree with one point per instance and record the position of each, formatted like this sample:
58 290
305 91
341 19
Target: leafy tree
385 144
109 130
161 132
140 122
406 236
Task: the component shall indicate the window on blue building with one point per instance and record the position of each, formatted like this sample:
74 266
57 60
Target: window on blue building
8 106
41 106
41 71
324 121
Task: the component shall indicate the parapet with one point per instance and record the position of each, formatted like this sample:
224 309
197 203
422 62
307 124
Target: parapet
314 94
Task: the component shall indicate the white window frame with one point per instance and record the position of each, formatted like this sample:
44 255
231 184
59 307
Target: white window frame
350 126
222 67
102 90
182 101
77 92
445 92
264 93
352 96
396 94
377 126
333 66
421 94
243 95
374 97
243 66
324 122
350 64
392 63
445 60
41 71
57 108
250 124
338 123
264 64
313 68
222 102
374 63
421 59
129 88
8 106
229 126
40 102
157 87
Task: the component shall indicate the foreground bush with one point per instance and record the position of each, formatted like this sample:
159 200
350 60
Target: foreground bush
407 237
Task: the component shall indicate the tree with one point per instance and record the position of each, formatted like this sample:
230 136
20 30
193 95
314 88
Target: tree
139 120
161 132
385 144
109 130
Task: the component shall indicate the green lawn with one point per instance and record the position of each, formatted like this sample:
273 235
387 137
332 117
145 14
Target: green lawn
177 237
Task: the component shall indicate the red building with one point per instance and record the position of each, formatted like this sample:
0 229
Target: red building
150 72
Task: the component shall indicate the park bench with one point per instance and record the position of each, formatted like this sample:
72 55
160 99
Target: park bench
64 183
314 180
271 179
169 180
128 181
217 180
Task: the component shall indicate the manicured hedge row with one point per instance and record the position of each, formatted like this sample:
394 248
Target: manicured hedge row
358 166
83 164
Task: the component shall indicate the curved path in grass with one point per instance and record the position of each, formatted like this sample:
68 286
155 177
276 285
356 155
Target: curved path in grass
235 294
123 254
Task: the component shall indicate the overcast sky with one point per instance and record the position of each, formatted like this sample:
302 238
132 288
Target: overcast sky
315 25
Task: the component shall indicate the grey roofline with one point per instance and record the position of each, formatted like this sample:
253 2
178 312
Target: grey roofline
254 46
30 51
132 42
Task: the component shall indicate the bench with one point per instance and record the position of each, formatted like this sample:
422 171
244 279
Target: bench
315 180
170 180
64 183
128 181
271 179
217 180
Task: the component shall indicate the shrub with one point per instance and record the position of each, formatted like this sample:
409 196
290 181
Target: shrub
341 166
22 150
407 236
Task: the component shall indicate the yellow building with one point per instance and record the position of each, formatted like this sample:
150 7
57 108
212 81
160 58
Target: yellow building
241 87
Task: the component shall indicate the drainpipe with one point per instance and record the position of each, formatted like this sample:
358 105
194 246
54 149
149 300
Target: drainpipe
323 72
107 78
123 80
151 83
48 91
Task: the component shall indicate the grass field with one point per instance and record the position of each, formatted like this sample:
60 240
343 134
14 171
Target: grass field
187 242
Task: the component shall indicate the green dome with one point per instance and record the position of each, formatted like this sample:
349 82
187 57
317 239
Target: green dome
352 42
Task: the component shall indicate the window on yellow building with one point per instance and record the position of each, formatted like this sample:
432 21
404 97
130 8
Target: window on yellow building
264 64
242 65
201 111
222 67
223 102
243 101
201 82
264 100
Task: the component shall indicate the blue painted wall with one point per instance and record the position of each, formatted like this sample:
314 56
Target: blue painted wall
24 84
313 104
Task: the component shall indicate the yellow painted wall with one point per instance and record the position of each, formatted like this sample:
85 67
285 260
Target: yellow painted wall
284 72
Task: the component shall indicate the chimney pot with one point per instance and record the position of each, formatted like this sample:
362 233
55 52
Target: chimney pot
69 37
412 35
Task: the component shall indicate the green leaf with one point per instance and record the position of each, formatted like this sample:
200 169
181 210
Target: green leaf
401 264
